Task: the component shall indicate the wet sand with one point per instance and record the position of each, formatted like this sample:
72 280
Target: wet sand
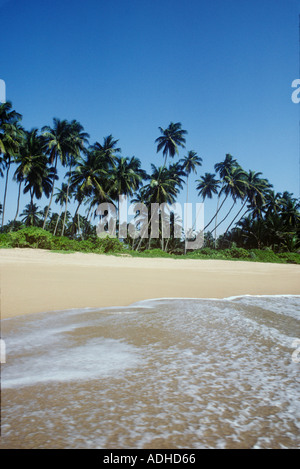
34 280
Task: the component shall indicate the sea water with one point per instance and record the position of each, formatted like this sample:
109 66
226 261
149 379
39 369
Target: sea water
162 373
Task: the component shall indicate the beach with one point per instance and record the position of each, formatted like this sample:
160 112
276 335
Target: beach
34 280
120 352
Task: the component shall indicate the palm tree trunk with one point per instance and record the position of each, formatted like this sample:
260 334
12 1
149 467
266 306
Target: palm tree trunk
226 215
187 197
18 201
215 215
51 197
58 218
67 196
237 214
5 193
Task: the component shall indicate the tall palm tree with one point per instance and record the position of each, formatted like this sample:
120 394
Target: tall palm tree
224 168
11 135
207 186
162 188
108 149
79 141
126 177
59 145
88 177
189 164
31 154
235 185
61 198
255 194
171 138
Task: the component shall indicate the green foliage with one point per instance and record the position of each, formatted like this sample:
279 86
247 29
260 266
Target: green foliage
264 255
290 257
32 237
4 240
155 253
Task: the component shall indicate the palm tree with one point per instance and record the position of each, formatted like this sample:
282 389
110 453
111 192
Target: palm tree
89 178
224 168
38 181
255 194
60 146
31 154
79 140
11 134
126 177
162 188
189 164
235 185
207 186
171 138
108 150
31 215
61 198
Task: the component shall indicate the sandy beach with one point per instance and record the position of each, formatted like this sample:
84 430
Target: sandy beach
38 280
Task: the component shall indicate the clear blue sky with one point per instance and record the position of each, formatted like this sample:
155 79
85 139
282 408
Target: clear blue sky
222 68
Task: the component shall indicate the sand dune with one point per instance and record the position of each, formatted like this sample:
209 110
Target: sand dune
37 280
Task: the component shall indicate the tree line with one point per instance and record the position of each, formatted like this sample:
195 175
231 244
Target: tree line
96 173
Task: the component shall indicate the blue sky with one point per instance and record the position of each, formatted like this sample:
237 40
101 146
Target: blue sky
222 68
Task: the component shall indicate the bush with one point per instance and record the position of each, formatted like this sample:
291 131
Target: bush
237 253
32 237
264 255
290 257
156 253
5 240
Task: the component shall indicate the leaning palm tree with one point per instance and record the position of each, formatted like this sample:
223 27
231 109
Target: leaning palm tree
255 194
235 185
171 138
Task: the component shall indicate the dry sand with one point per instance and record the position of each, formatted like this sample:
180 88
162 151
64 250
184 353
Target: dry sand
37 280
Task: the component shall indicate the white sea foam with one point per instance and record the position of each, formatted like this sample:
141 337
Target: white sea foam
181 372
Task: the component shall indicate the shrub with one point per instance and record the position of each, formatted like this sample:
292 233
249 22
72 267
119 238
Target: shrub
237 253
264 255
290 257
31 237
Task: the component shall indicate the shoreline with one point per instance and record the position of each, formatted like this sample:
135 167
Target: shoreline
36 281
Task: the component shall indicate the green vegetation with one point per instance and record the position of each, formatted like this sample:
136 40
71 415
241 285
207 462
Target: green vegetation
257 223
37 238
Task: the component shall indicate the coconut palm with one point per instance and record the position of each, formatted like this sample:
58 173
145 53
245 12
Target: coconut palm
255 194
235 185
108 149
61 198
162 188
189 164
88 177
11 135
31 154
60 145
79 140
31 215
172 137
126 177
